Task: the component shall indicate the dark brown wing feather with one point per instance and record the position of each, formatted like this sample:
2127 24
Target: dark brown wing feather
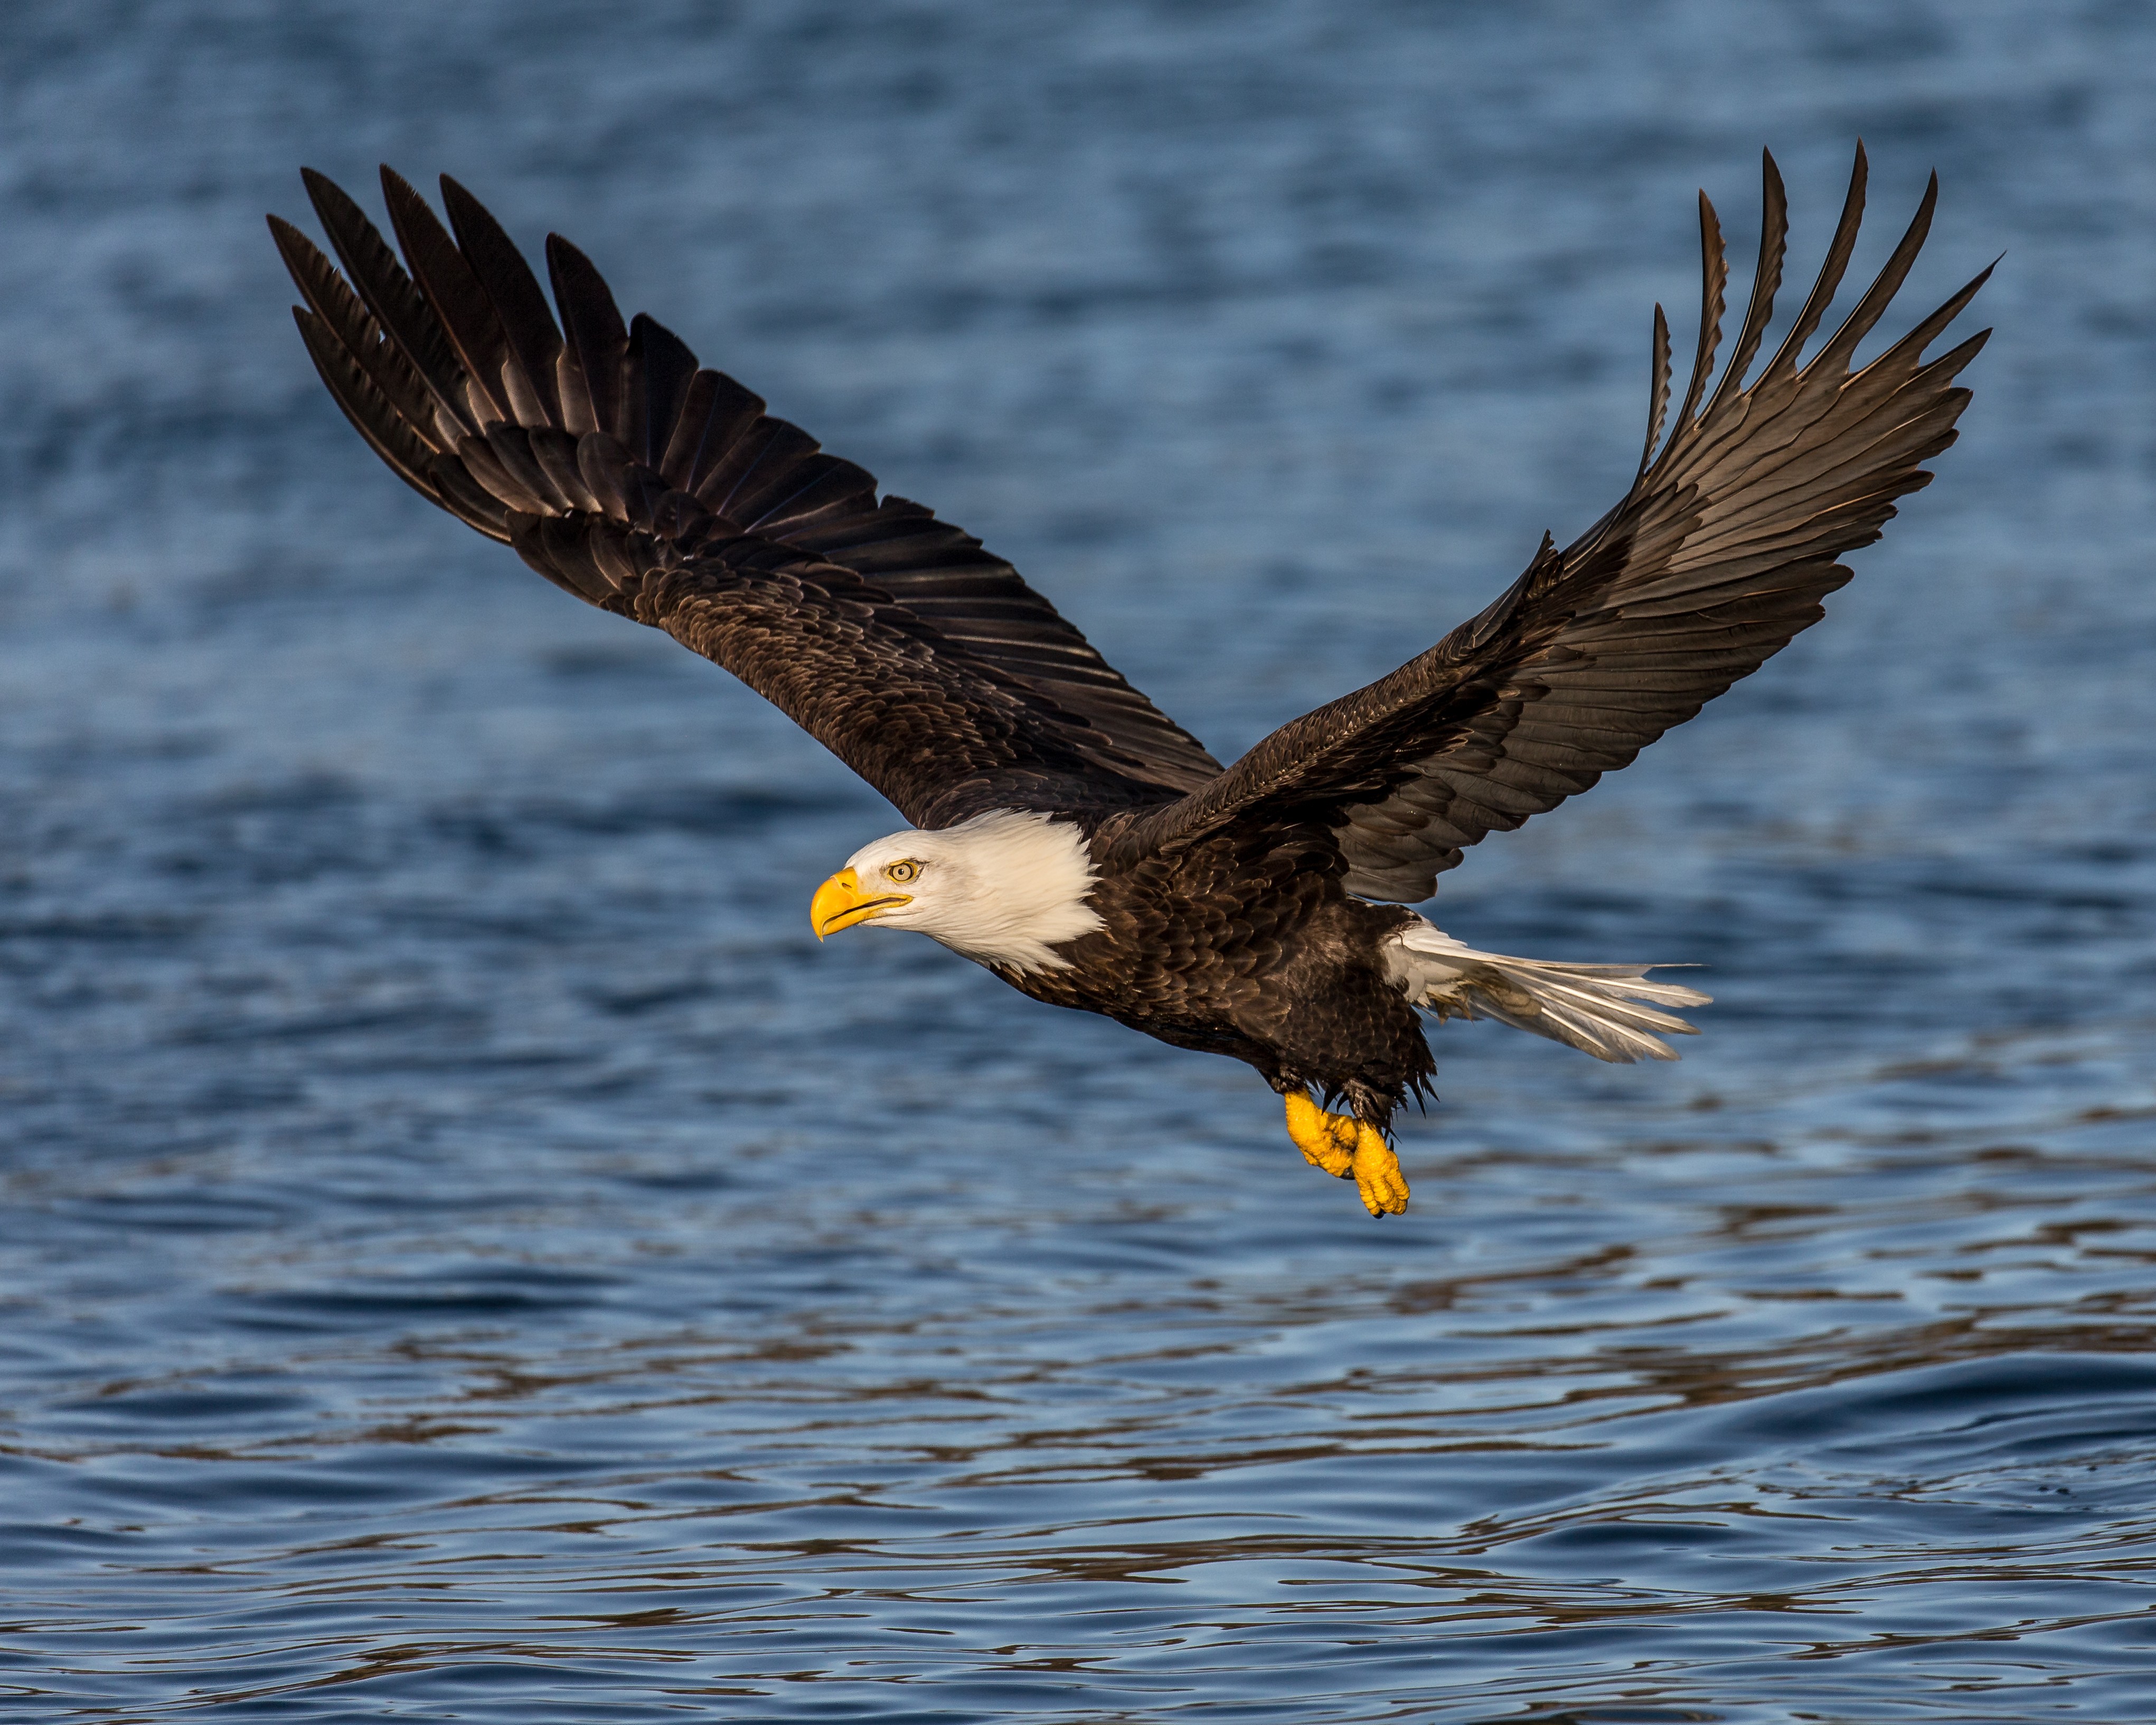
1718 555
632 477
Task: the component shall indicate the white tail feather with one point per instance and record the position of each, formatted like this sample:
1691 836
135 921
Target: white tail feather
1592 1007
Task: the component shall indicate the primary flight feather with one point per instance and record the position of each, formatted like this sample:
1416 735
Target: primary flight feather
1067 834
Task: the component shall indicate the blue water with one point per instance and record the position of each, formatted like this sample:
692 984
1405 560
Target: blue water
467 1253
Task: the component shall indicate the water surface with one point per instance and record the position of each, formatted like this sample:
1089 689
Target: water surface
467 1253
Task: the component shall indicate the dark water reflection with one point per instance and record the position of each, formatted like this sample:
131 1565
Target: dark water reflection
468 1254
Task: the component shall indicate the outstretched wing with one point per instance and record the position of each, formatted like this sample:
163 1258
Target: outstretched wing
626 474
1718 555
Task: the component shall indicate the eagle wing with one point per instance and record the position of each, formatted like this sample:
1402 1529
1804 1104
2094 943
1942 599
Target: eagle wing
1721 552
639 481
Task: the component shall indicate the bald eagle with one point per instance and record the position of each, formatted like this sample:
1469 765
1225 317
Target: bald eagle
1066 834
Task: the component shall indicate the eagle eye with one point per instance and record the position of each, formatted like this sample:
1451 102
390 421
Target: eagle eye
901 872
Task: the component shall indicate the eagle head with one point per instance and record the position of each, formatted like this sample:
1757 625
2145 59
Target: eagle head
1004 889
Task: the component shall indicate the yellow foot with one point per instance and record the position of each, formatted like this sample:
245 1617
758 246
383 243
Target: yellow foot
1376 1171
1327 1141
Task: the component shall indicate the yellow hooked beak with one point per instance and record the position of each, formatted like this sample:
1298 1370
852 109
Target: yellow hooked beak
840 903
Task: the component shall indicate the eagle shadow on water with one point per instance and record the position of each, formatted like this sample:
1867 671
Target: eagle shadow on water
1067 834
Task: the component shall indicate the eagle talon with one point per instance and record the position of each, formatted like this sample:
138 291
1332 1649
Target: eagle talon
1327 1141
1378 1177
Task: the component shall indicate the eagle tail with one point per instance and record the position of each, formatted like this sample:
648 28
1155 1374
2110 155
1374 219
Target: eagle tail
1607 1010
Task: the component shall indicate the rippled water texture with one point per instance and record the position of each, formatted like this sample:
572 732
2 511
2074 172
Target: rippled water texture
467 1253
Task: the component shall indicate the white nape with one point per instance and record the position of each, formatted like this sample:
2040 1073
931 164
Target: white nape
1588 1006
1005 888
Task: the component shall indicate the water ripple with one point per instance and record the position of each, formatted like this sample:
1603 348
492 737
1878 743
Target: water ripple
465 1252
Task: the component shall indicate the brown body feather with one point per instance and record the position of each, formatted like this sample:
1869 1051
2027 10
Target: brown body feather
1233 903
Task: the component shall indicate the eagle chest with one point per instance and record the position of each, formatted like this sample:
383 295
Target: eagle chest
1210 950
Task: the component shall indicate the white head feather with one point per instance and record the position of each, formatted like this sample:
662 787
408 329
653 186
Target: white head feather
1004 888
